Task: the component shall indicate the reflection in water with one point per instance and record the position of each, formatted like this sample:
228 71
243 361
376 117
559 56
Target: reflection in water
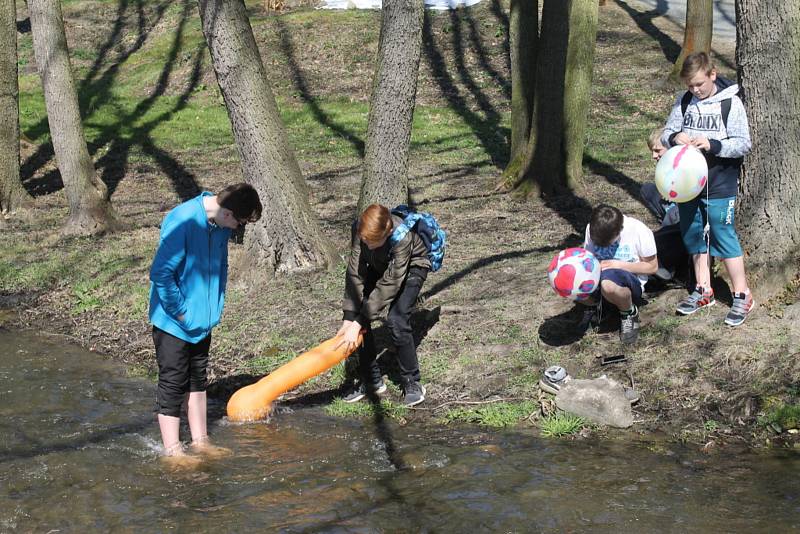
79 451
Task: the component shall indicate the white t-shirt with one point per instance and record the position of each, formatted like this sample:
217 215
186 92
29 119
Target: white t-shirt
636 241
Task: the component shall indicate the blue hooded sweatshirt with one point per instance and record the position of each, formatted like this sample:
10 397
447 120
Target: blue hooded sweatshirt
189 272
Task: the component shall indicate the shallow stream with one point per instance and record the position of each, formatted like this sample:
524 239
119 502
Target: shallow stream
79 452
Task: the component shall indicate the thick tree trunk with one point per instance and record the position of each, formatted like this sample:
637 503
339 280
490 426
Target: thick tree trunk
768 220
524 37
394 92
90 210
288 236
12 194
578 85
553 162
697 33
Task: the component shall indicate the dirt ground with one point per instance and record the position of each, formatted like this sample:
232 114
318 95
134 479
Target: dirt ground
489 324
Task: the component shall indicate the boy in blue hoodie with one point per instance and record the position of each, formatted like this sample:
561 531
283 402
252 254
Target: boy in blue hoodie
711 117
187 292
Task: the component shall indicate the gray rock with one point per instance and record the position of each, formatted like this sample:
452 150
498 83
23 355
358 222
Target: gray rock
601 401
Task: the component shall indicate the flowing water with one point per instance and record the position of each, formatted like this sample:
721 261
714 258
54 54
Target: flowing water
79 452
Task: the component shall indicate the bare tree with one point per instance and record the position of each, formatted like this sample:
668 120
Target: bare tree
768 55
524 38
564 66
288 237
697 33
90 210
394 91
12 194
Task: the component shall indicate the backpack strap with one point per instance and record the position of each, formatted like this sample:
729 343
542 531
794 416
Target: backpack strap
725 107
687 97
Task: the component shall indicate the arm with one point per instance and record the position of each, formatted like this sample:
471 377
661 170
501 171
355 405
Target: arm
392 280
674 124
163 273
738 143
354 279
648 265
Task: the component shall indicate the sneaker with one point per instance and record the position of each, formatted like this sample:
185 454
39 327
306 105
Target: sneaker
589 320
554 379
743 304
629 326
359 391
699 298
414 394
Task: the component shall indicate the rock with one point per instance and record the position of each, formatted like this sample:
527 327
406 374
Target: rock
601 401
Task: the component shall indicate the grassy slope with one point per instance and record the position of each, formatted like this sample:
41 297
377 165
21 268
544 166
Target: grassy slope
157 128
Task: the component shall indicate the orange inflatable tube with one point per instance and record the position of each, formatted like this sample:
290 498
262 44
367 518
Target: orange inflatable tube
254 402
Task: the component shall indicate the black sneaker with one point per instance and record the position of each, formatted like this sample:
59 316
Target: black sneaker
629 327
359 391
414 394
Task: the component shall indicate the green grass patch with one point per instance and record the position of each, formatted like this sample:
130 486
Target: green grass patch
269 360
339 408
497 415
781 417
560 424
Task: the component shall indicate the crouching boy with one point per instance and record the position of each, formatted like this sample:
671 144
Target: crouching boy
626 249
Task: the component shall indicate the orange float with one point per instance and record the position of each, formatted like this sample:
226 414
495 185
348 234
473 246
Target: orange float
254 402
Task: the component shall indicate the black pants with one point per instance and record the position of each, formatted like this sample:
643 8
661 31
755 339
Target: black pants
181 369
399 323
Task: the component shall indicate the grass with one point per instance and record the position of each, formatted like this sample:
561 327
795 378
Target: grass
339 408
560 424
781 416
497 415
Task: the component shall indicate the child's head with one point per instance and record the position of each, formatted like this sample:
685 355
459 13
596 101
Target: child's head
699 74
654 144
375 225
605 225
242 202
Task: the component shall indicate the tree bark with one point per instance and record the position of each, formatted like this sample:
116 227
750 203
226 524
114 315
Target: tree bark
12 194
524 37
288 237
394 91
697 33
90 211
553 163
768 55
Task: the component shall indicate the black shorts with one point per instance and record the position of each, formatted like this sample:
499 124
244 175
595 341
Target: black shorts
181 369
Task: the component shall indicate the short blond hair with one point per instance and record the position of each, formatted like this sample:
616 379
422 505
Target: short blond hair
654 138
697 62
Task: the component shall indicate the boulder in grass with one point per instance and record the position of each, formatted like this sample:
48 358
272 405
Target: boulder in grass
600 401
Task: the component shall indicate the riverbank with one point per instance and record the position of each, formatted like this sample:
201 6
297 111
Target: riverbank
490 323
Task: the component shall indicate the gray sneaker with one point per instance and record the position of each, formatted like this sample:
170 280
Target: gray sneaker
359 391
743 304
699 298
629 327
414 394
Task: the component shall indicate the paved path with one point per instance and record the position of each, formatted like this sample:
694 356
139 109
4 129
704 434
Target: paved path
675 11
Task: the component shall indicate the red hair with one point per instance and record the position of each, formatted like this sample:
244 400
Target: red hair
375 224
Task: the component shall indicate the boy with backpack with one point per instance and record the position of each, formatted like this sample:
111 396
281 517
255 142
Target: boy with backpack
711 117
390 257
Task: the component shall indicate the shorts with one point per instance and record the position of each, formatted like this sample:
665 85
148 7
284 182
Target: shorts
181 369
624 278
720 215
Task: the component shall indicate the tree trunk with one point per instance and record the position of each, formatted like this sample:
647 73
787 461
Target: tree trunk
90 211
12 194
524 36
578 85
394 91
768 55
553 162
697 33
288 236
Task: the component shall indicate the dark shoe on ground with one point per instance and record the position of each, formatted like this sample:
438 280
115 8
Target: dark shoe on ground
589 320
414 394
700 298
743 304
663 274
629 327
359 391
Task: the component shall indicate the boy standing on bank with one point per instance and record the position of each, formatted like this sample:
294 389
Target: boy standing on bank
711 117
189 275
